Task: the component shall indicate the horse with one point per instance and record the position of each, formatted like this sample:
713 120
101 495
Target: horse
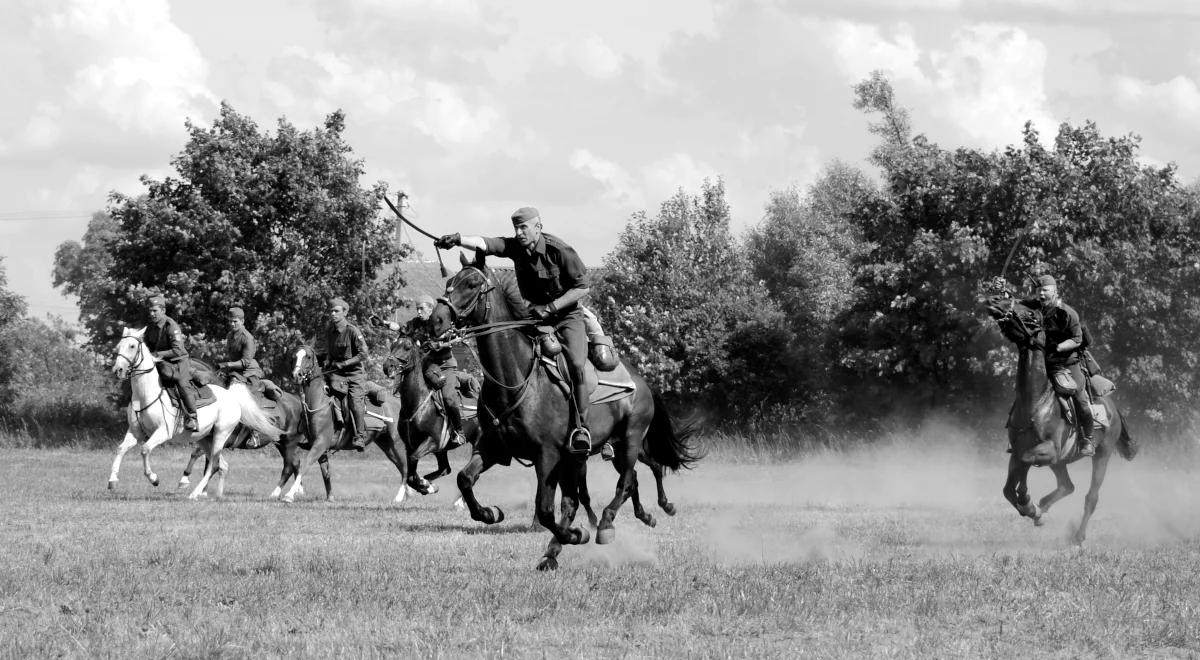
528 415
154 418
288 410
1038 432
321 433
423 425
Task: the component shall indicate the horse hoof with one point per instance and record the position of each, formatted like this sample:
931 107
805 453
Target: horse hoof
650 521
668 509
548 564
287 499
582 537
183 483
432 489
154 480
606 535
493 515
112 484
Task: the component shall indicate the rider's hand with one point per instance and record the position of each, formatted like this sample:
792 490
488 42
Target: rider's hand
540 312
339 365
448 241
375 321
393 326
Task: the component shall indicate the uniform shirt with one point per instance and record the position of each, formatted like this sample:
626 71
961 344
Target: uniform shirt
1060 324
165 340
240 348
420 332
345 345
548 271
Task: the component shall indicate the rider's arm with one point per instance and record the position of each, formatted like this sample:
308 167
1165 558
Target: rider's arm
572 277
177 350
358 348
474 243
1076 338
245 355
569 298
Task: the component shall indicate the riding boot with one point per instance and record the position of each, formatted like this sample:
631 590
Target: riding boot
358 411
188 398
1086 426
454 418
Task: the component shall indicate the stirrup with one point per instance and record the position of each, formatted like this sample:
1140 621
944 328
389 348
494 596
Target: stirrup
580 441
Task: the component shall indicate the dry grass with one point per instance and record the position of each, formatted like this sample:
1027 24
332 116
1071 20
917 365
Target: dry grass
884 552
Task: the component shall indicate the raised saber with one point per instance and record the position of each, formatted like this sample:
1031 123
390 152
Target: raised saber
402 196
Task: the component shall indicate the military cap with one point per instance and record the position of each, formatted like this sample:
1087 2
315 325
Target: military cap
525 214
157 301
236 313
1046 280
426 299
338 302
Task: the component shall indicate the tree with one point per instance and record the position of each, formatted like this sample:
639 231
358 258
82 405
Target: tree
683 306
12 311
275 224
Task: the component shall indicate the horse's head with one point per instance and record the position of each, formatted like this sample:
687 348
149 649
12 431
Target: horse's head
130 357
304 364
1019 324
404 355
467 301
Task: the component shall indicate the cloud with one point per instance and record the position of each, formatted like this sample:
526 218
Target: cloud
666 176
619 186
1178 96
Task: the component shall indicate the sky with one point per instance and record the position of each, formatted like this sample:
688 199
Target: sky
589 111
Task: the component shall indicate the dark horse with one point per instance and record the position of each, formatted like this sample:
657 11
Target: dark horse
1037 429
288 415
525 416
323 436
422 424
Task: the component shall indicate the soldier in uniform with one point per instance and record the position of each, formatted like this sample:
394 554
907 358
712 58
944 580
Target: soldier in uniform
553 279
439 367
165 341
1064 339
239 351
344 354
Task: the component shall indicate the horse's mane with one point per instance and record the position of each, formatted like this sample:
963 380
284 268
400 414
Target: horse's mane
506 282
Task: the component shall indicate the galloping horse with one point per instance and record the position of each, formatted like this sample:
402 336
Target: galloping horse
288 410
526 415
423 426
155 419
1037 430
382 426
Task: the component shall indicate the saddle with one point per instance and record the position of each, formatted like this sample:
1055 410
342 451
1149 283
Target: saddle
1098 387
615 385
377 417
203 395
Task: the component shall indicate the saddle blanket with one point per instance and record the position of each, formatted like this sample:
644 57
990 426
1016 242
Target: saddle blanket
616 384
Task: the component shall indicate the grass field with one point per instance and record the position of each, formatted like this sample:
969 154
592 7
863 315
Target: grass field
892 551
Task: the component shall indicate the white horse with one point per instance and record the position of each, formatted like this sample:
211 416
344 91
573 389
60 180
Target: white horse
154 419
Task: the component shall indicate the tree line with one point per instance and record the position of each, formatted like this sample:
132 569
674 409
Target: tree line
856 299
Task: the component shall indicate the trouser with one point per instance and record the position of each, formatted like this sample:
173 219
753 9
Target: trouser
355 399
574 339
450 397
177 375
1082 405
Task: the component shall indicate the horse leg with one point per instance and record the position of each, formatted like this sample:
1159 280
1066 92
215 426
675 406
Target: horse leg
663 503
187 470
1099 470
569 472
157 438
585 499
424 448
467 477
387 441
1063 488
126 443
323 463
623 462
287 450
640 512
206 444
222 470
443 463
1016 491
215 442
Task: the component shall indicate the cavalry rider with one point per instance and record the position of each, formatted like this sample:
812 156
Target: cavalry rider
239 350
165 341
552 277
1064 343
344 354
439 367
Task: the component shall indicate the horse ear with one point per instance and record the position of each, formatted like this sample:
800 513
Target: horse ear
135 333
462 258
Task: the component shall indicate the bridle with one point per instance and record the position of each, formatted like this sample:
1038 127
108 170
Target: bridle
141 356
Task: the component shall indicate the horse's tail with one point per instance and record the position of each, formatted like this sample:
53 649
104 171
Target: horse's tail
1126 445
670 447
252 415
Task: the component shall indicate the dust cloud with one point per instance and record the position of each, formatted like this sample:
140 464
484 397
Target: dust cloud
933 491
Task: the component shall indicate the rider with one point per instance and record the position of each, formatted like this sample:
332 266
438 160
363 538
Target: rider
439 366
1064 339
239 350
344 352
552 277
165 341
